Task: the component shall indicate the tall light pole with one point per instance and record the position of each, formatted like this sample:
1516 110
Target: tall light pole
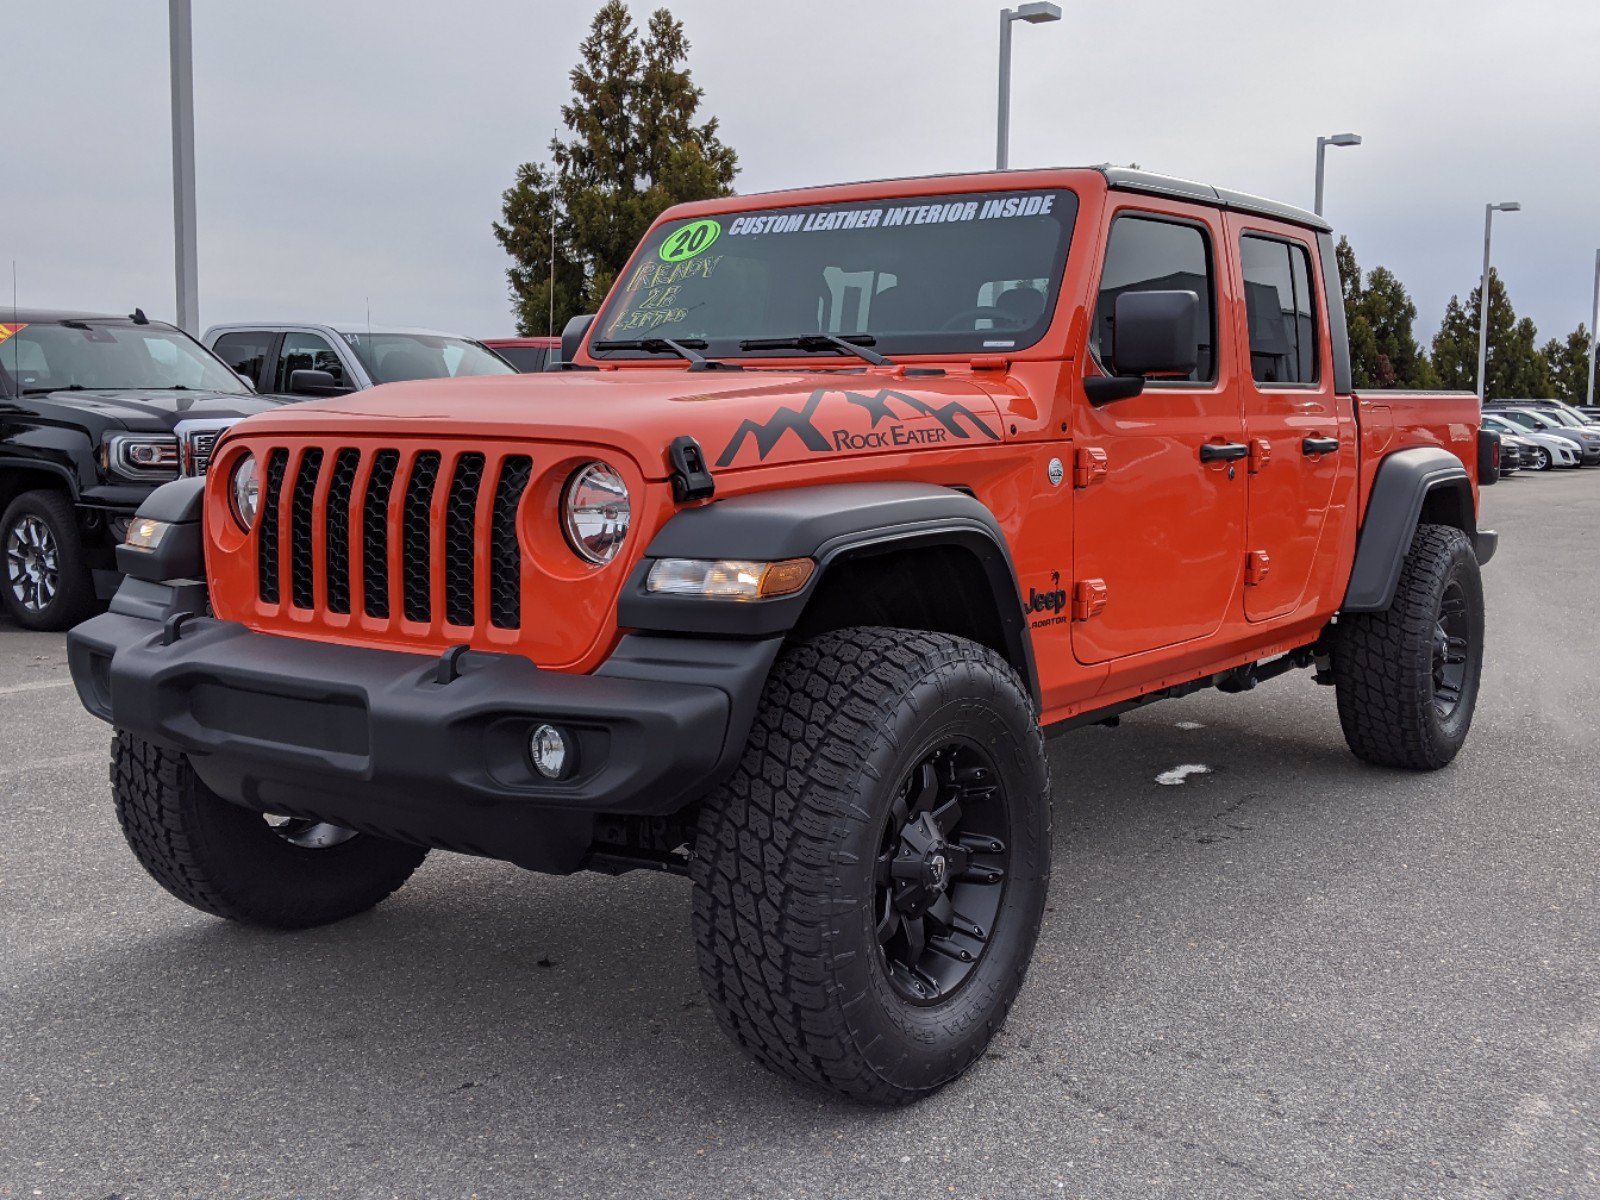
1489 211
1034 14
1338 139
1594 338
181 40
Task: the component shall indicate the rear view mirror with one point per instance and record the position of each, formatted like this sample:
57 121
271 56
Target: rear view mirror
1153 333
308 382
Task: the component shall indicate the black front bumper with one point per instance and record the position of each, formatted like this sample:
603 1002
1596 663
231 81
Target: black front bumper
378 740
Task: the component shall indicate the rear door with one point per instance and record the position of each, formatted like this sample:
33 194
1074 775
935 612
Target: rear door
1159 508
1301 435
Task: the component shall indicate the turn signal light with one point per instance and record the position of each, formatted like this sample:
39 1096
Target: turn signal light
729 578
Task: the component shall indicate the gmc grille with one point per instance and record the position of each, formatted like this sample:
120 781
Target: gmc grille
335 523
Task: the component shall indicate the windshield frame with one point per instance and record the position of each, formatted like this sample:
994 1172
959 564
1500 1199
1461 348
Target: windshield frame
961 344
226 381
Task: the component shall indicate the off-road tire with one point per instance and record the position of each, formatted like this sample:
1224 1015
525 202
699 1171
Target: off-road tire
784 863
228 861
74 598
1383 662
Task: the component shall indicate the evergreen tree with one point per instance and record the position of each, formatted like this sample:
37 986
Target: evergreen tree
1516 369
635 150
1568 362
1380 315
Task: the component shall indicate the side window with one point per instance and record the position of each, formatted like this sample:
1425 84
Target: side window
1277 305
245 353
1145 254
307 352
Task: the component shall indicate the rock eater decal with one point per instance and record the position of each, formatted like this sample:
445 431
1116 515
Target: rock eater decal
895 433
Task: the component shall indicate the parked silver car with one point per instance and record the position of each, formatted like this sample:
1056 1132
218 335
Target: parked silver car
330 360
1546 450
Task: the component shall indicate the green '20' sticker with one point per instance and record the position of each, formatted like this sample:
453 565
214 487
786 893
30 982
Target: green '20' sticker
690 240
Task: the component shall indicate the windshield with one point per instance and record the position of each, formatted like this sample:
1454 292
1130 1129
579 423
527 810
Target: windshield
57 357
396 357
972 272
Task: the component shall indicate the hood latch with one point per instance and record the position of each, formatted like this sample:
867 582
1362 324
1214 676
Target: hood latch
691 479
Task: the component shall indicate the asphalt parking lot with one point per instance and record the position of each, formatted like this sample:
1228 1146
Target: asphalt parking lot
1291 976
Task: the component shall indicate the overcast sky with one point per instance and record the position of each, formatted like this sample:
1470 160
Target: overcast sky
351 150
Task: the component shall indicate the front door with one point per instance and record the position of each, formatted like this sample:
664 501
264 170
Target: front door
1160 478
1302 438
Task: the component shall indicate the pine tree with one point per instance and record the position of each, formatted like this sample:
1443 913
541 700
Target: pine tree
1380 314
635 150
1568 362
1516 369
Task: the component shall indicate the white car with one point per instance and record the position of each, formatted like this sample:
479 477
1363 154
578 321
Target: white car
1549 450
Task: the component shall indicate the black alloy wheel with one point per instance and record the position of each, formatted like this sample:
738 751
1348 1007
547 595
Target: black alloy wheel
1452 632
940 875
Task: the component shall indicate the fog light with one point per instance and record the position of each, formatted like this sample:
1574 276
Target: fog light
145 533
548 749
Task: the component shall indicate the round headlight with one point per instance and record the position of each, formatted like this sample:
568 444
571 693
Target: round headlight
595 512
245 489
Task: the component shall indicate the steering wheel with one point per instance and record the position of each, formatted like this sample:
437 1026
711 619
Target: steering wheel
985 312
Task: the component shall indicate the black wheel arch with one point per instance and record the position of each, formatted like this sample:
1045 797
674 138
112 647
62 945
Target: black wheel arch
914 555
1414 486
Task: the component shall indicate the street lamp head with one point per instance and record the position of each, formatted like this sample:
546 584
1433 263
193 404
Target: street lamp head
1509 206
1037 13
1345 139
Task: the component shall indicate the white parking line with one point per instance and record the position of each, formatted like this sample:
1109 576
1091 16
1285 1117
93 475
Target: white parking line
37 685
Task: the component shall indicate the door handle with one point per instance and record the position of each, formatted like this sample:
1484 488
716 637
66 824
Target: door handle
1318 445
1223 451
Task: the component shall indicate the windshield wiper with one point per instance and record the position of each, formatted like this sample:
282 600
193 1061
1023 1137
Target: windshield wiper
853 344
684 350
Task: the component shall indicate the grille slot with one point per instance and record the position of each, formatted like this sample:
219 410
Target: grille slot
460 590
449 509
267 528
301 586
505 552
340 487
375 535
416 538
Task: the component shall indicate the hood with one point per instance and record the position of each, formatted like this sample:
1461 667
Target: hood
150 412
740 418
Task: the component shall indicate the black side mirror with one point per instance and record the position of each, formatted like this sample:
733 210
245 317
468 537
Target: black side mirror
572 335
308 382
1152 333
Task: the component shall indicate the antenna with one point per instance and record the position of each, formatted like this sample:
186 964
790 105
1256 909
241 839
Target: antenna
550 329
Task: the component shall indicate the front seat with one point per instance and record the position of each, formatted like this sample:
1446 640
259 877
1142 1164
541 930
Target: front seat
1023 304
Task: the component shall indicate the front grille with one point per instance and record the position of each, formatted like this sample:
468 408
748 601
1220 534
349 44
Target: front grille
349 514
196 448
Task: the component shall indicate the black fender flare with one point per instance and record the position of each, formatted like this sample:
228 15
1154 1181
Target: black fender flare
1405 481
828 523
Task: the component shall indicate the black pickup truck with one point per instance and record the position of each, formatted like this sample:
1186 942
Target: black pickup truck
96 412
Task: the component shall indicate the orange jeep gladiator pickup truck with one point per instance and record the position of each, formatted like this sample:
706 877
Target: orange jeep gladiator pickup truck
845 499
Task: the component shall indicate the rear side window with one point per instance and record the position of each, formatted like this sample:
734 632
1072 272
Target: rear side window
523 358
1145 254
1277 305
307 352
245 352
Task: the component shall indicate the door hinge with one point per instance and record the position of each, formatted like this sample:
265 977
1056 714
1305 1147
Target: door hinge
1257 565
1260 454
1088 598
1088 466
